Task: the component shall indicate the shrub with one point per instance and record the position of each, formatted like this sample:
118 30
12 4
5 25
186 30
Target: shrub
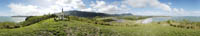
184 24
134 17
8 25
34 19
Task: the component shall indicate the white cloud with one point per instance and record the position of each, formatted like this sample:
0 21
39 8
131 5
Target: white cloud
75 4
153 4
39 7
178 10
152 13
87 9
103 7
148 3
24 9
137 3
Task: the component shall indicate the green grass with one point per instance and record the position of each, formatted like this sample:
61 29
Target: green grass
8 25
133 17
153 30
78 26
182 24
51 28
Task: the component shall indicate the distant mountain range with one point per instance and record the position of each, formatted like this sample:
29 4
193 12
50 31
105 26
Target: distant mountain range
91 14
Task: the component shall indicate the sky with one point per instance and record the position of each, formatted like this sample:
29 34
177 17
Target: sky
136 7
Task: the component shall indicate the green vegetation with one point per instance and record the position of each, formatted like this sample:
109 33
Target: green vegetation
133 17
8 25
60 28
35 19
182 24
98 26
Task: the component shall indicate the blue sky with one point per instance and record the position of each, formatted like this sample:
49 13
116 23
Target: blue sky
186 4
4 9
137 7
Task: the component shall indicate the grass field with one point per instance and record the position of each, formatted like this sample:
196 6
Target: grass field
98 27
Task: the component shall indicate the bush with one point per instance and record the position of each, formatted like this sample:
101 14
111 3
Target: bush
8 25
134 17
108 20
34 19
183 24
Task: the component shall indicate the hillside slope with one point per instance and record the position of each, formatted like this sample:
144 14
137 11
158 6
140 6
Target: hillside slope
78 26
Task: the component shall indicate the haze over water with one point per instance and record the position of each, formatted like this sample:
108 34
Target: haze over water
11 19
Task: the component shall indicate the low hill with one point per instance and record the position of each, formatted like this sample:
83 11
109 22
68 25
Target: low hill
90 14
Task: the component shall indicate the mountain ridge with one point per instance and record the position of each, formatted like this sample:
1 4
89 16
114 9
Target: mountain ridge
91 14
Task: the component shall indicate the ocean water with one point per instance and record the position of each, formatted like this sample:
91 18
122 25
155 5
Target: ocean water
177 18
11 19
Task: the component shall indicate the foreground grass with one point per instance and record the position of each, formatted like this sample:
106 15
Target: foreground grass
153 30
61 28
97 27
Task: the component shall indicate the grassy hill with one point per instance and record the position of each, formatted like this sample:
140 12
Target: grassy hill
91 14
98 26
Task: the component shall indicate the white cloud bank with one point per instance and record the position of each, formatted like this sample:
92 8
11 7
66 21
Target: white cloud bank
153 4
54 6
101 6
41 7
24 10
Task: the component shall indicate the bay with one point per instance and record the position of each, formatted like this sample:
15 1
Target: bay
11 19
